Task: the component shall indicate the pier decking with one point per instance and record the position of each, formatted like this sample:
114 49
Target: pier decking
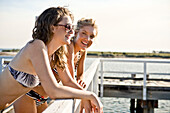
132 88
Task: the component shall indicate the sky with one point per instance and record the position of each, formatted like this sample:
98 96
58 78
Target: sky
123 25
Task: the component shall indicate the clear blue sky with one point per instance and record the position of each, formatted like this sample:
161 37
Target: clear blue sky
124 25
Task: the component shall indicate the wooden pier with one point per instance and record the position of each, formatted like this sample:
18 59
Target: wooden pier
156 90
144 92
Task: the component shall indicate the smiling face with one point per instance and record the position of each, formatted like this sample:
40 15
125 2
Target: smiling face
63 30
52 21
85 37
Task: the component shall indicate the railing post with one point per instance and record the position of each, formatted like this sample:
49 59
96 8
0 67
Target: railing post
90 88
1 63
144 83
145 110
73 107
95 81
101 77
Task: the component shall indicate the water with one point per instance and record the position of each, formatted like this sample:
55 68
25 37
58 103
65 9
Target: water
122 105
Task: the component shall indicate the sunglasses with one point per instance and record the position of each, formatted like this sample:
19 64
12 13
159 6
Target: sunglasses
68 27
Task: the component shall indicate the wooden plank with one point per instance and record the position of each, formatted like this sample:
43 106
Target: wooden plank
133 82
60 106
125 91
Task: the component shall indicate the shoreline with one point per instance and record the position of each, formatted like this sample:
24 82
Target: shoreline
102 56
92 56
8 53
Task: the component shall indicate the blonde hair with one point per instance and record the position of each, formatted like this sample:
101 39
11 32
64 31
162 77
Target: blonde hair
86 22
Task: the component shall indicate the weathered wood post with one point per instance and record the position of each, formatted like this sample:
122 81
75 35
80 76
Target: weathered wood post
132 105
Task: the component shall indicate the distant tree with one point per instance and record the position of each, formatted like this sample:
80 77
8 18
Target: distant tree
153 51
10 50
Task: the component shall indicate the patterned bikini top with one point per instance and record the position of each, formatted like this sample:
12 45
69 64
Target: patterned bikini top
76 60
25 79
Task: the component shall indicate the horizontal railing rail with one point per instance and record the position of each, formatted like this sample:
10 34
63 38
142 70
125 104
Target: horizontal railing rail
125 72
134 60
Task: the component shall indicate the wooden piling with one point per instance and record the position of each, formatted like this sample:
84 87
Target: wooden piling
132 105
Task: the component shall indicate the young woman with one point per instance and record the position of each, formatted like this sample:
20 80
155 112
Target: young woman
86 31
32 64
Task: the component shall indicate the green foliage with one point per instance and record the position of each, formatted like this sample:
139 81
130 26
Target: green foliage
128 54
10 50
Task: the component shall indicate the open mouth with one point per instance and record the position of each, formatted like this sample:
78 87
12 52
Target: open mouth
84 43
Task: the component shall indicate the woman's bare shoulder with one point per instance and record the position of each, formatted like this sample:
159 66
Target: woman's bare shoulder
34 47
36 44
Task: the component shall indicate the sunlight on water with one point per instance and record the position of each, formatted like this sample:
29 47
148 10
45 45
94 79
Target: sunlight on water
122 105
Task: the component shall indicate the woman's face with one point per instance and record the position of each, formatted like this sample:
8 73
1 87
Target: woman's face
63 30
85 37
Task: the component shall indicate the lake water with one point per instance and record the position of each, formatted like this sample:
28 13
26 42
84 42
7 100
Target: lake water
122 105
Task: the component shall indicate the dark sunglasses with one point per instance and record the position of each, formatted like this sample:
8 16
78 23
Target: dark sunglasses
68 27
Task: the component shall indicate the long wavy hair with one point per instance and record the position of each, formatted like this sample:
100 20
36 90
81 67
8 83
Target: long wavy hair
42 31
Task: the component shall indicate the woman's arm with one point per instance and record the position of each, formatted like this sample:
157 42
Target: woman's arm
39 58
80 68
67 79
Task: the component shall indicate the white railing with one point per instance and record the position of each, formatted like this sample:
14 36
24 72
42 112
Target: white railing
2 60
145 62
72 105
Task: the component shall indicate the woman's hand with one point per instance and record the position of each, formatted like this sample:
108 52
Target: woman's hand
96 104
81 83
86 105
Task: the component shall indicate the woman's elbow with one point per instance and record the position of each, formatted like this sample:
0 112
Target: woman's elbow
52 92
52 97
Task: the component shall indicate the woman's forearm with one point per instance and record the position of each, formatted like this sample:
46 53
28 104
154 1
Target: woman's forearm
68 92
72 83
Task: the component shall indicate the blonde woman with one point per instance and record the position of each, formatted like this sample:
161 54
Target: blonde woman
85 33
